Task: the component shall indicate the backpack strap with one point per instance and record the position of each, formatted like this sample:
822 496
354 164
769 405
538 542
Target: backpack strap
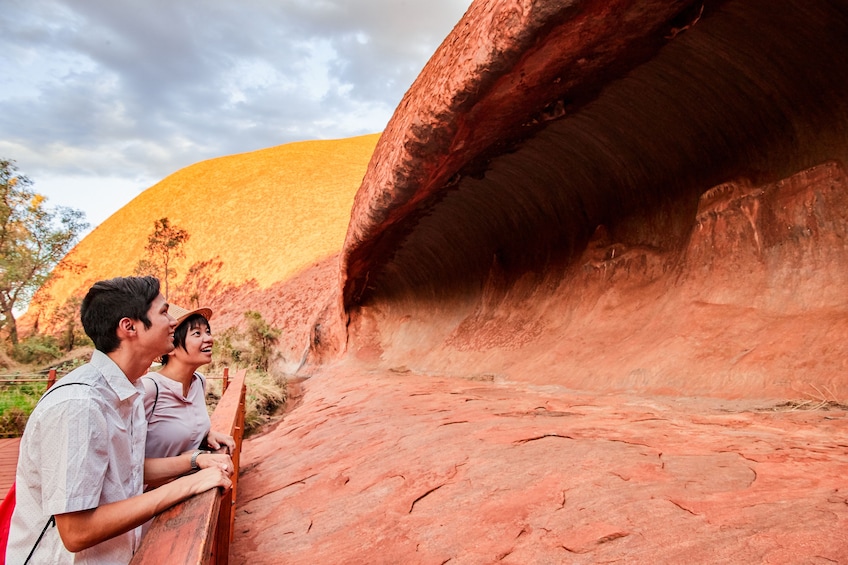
54 387
156 397
52 520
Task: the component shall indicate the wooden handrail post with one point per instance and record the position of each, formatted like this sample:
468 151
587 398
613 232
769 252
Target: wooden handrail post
226 381
227 514
51 378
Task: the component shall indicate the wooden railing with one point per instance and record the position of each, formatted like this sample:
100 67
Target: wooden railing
199 530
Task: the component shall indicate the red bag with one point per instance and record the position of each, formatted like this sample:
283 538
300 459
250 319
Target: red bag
6 509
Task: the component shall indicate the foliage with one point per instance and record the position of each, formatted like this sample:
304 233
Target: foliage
262 338
229 348
163 246
16 404
265 394
254 347
147 267
66 319
37 349
33 239
13 421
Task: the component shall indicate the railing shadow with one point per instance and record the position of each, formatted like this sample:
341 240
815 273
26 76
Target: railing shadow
199 530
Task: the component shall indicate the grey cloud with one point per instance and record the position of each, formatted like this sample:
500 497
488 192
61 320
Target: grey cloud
142 88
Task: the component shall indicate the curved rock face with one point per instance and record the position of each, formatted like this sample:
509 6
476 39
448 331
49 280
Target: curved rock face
644 200
642 196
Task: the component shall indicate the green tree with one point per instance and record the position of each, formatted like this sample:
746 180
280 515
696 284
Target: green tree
66 319
262 338
33 239
166 244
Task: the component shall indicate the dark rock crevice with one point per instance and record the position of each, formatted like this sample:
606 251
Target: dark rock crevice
751 90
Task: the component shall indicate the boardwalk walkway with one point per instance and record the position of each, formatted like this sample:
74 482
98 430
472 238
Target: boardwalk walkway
8 462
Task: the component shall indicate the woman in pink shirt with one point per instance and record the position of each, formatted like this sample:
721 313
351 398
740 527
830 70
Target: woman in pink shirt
175 396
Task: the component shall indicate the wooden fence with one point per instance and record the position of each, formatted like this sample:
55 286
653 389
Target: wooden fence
199 530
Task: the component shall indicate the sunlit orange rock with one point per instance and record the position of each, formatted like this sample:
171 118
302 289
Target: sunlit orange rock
256 221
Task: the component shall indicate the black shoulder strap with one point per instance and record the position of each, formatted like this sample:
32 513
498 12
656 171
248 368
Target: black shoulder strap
54 387
52 520
155 398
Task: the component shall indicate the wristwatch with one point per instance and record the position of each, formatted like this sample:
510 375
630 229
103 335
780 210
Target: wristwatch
194 456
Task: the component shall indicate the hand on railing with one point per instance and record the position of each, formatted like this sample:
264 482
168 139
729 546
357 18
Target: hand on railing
208 478
221 443
219 460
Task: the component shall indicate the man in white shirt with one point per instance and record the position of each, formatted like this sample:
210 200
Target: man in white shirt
81 468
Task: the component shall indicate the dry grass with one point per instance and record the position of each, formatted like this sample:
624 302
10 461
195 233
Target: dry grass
817 400
266 395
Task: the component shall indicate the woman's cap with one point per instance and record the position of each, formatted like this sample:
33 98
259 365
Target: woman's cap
181 313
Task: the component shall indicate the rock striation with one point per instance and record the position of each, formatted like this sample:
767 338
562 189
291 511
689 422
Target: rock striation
639 196
385 468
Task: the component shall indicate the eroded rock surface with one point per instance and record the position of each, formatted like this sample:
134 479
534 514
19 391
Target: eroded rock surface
751 303
404 468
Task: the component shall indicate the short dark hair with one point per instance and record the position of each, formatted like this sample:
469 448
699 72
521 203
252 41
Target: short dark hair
181 332
107 302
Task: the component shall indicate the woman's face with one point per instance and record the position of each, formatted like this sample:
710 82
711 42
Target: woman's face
198 345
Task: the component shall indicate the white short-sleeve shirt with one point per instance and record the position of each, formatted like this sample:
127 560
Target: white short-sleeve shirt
179 423
83 447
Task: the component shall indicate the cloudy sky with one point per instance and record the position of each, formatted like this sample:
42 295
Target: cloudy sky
100 99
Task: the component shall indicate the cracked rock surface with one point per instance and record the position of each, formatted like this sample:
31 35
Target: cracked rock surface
393 467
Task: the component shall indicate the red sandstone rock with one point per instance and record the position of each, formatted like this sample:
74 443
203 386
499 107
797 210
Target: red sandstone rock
623 225
407 468
703 140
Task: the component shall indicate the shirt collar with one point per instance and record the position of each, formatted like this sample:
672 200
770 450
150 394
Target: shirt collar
177 387
115 377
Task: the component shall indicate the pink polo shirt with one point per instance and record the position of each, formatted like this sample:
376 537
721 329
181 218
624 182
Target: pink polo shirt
178 423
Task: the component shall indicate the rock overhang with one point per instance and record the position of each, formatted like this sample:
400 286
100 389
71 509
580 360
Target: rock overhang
533 124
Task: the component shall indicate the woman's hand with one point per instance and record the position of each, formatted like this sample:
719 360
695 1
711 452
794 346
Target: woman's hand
222 443
208 478
221 461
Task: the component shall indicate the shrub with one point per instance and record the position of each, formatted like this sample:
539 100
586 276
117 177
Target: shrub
229 349
254 347
265 394
16 403
13 421
262 339
37 349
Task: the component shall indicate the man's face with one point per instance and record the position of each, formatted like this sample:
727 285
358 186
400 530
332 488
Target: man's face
158 339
